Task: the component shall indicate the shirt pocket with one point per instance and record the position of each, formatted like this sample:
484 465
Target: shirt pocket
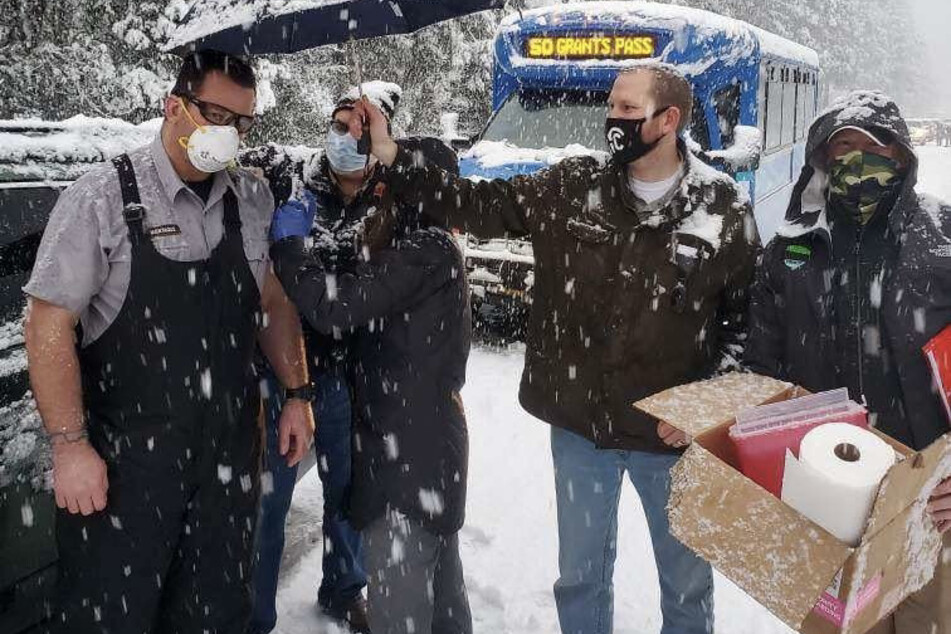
255 249
256 252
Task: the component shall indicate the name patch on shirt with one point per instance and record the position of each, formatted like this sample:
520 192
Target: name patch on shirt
164 231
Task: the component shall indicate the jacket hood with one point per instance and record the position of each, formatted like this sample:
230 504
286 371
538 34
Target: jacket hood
868 109
872 110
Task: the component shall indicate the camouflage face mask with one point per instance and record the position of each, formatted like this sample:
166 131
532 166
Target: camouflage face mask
860 181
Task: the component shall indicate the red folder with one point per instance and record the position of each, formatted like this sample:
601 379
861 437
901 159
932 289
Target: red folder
938 351
762 456
762 434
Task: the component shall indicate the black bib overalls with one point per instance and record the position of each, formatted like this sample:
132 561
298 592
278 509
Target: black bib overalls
173 408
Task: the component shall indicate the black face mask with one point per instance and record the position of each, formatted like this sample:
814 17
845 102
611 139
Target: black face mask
624 138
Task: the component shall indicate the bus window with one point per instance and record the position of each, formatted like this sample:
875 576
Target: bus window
811 98
761 103
774 110
726 103
789 108
546 118
803 116
699 131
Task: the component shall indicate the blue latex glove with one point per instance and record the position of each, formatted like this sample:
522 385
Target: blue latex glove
294 218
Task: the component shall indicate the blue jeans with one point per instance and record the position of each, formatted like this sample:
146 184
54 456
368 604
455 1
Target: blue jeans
588 487
343 574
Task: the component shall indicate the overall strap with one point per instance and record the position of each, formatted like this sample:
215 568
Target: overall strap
132 209
232 218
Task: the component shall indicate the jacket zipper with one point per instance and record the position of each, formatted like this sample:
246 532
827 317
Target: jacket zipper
858 310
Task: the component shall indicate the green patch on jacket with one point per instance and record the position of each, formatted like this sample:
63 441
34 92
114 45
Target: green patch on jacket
796 256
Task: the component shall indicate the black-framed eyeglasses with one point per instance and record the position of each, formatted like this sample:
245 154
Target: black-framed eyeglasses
219 115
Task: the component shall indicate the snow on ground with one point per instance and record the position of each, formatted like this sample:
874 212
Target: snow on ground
509 543
934 172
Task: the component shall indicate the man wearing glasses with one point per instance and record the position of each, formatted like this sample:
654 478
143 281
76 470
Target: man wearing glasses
151 289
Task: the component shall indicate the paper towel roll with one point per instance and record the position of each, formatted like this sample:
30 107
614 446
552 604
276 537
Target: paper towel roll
836 478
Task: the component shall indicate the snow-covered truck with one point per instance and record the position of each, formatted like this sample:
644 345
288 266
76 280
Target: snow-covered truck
37 160
755 96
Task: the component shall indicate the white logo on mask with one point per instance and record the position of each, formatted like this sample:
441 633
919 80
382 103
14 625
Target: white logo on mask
616 139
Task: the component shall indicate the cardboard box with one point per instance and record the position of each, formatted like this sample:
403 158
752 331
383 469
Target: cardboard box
802 574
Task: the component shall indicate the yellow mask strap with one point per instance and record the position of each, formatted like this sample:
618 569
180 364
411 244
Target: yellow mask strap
183 141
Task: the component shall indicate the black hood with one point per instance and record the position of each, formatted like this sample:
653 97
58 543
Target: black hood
865 109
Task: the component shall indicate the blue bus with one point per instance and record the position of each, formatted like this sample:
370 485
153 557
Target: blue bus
553 70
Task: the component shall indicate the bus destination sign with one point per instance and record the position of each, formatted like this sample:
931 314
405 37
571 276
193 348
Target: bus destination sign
570 47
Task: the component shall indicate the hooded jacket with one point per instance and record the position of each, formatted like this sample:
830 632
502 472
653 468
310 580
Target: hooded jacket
838 304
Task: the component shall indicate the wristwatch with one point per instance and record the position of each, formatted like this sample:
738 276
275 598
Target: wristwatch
305 392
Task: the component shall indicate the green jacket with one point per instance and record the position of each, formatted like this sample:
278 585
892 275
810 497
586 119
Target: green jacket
621 308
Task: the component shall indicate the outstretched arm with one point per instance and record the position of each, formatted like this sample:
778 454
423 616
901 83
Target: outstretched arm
488 209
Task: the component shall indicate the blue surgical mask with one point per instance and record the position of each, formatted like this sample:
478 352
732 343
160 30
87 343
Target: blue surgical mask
342 153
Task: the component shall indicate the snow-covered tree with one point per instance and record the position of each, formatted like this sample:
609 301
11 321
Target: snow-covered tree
94 57
861 43
446 67
101 57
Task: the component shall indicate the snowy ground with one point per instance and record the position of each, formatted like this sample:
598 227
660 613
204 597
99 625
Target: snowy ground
509 545
934 173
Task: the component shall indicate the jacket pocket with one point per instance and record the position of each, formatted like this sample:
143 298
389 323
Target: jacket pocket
692 258
585 271
590 231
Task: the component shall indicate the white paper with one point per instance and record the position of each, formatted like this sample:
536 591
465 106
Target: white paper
821 400
836 493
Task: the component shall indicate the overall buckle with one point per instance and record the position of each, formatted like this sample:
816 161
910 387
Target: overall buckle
133 212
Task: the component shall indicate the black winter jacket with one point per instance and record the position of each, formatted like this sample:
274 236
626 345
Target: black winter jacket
337 222
838 305
621 309
407 309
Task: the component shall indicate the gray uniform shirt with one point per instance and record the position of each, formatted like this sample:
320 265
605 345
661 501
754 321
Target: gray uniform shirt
84 259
